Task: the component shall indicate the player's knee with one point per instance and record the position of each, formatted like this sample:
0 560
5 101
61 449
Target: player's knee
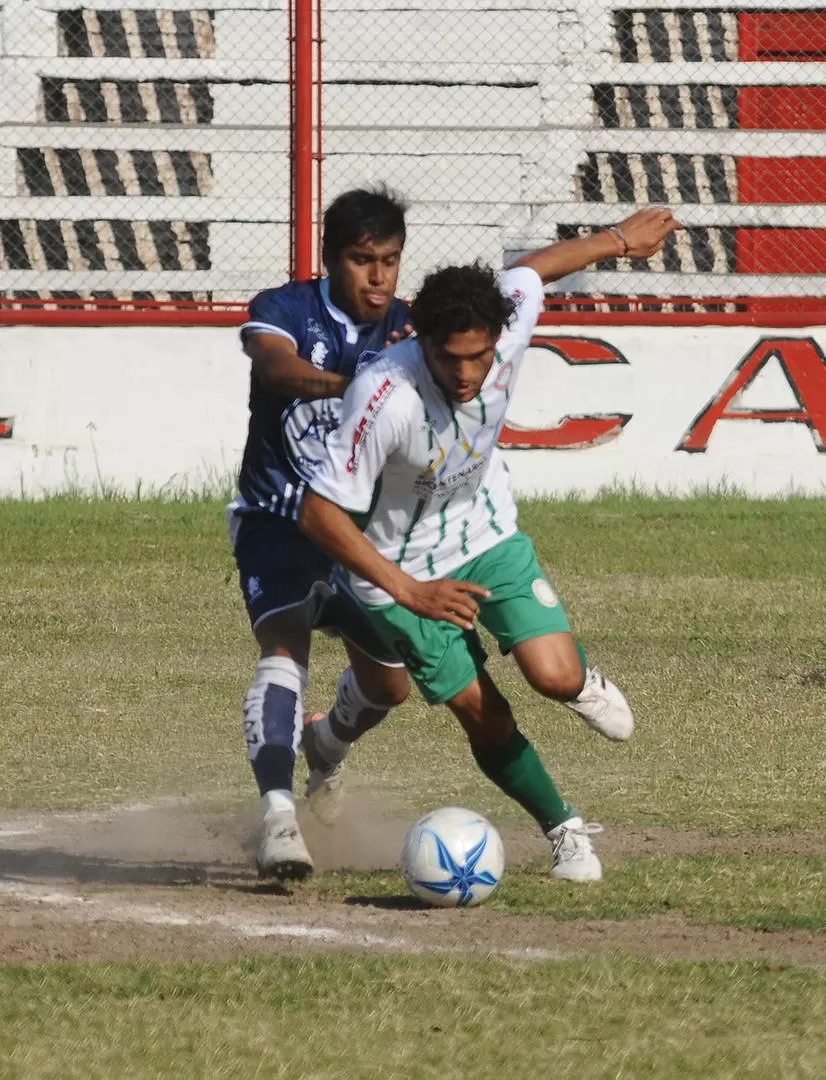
391 689
561 682
396 693
485 716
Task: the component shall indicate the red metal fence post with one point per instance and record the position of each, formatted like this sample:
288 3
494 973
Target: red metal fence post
302 140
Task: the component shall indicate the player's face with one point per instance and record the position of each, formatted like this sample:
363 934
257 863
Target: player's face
460 366
363 277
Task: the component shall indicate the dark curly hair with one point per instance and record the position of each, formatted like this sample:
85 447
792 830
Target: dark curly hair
460 298
376 212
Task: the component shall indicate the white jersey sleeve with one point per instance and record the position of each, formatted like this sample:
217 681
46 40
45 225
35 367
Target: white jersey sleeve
525 286
372 428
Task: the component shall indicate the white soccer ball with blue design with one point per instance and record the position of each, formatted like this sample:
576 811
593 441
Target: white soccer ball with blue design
453 858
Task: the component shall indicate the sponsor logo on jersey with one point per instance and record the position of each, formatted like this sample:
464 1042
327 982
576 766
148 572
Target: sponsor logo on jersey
430 484
306 427
365 424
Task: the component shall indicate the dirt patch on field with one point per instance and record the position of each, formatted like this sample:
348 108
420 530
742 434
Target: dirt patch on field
173 882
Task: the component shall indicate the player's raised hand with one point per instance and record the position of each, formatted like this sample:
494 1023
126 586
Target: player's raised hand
645 232
445 600
399 335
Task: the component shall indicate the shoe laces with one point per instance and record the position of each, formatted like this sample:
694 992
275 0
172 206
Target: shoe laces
587 829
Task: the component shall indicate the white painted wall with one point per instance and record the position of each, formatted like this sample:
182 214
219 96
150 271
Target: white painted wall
166 409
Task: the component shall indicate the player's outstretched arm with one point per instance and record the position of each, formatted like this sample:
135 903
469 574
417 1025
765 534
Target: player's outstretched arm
637 237
334 530
282 371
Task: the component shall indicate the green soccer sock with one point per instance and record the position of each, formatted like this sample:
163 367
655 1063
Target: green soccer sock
517 770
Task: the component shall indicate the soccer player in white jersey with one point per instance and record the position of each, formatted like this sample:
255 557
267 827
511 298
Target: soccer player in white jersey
415 465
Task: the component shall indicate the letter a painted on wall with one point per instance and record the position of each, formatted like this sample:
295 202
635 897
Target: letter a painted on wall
804 366
572 432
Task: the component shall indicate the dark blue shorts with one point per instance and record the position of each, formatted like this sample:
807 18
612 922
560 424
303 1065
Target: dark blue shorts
278 568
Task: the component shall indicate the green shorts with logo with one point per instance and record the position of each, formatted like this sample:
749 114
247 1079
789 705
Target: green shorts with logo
442 658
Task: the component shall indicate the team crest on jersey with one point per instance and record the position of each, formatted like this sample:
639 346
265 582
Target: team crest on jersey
544 593
318 355
503 376
315 327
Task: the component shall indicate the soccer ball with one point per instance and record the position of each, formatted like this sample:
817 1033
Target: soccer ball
453 858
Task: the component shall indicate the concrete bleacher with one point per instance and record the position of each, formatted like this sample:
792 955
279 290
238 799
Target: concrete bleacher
145 149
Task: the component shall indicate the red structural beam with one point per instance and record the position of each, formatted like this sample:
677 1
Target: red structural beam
302 172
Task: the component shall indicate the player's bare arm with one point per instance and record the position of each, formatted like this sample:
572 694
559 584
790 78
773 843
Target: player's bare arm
334 530
637 237
282 371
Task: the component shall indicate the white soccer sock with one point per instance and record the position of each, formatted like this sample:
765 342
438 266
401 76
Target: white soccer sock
352 714
273 721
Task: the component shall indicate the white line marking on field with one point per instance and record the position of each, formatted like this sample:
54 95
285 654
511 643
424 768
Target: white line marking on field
103 909
98 909
23 831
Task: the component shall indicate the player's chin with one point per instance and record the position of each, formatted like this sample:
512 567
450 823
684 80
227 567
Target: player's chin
373 313
466 394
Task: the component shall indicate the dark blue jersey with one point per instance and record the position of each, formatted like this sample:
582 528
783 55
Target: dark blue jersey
287 438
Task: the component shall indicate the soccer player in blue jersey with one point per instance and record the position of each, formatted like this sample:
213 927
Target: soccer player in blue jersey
306 341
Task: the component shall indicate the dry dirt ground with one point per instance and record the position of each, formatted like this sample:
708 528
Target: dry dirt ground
172 882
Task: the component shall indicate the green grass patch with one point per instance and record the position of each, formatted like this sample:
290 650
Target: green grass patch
778 893
352 1018
127 654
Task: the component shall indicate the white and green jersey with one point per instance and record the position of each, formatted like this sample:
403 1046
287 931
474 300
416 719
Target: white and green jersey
425 473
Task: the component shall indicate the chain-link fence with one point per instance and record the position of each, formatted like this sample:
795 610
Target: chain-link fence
510 125
144 151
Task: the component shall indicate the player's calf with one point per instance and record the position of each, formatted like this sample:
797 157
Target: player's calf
327 739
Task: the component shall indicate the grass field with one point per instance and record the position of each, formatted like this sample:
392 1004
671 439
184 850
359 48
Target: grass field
125 655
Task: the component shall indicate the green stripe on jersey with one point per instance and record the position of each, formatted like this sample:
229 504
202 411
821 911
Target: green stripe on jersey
417 513
431 568
463 538
442 522
492 511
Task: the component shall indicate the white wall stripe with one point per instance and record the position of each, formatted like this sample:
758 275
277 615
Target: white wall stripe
133 38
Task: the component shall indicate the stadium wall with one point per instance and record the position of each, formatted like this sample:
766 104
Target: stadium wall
669 408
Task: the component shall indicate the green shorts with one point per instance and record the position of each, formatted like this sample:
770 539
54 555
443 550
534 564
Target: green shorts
442 658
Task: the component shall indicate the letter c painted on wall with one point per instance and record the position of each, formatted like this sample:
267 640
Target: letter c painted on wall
572 432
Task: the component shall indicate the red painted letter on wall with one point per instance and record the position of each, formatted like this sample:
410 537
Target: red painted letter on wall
804 366
572 432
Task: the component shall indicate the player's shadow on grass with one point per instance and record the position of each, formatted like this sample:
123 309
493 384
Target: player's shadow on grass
402 902
50 864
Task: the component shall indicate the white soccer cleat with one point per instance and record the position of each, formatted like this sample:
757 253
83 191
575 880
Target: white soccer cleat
282 853
325 779
574 857
603 707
